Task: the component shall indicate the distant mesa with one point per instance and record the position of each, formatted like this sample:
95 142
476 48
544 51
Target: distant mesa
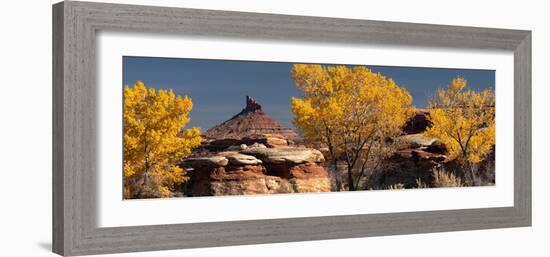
250 122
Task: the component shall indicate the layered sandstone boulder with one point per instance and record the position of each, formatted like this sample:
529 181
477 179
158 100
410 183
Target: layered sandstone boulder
258 170
416 140
295 155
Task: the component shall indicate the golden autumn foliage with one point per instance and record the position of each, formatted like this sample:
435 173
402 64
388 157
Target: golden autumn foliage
154 141
464 121
350 110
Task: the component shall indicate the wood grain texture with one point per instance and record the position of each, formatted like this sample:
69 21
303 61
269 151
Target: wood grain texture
74 124
522 128
58 218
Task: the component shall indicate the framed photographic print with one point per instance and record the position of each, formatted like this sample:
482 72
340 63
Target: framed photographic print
183 128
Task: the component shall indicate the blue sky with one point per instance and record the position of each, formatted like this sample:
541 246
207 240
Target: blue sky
218 87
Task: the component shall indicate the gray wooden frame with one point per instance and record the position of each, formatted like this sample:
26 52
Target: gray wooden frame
75 25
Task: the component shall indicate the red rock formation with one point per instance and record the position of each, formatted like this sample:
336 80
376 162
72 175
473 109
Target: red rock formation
267 171
250 122
300 171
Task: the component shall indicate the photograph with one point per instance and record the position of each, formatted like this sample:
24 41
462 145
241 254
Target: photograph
197 127
266 128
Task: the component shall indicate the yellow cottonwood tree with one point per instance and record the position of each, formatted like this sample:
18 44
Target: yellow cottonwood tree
464 121
154 141
352 111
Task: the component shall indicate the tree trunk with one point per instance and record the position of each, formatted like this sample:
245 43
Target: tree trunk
473 174
336 174
145 178
140 190
351 184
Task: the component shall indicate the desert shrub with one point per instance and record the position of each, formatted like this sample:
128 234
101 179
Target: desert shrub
420 183
396 186
486 170
443 178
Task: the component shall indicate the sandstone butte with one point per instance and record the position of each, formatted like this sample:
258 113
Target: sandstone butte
251 122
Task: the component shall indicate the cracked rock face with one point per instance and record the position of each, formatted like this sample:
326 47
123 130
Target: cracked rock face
242 159
207 161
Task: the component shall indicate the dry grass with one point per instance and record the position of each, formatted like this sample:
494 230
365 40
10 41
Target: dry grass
442 178
420 184
395 187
